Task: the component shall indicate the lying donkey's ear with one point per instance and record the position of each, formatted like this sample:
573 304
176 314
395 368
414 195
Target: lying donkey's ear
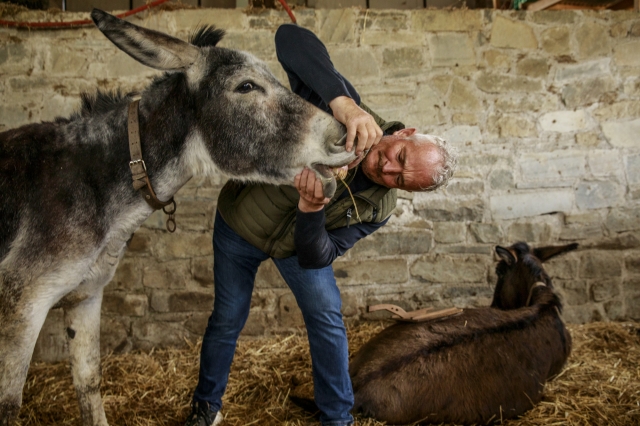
546 253
151 48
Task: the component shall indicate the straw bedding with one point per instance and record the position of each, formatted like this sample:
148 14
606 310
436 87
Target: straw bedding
600 384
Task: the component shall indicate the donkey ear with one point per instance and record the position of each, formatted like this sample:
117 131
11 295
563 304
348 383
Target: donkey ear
506 255
151 48
546 253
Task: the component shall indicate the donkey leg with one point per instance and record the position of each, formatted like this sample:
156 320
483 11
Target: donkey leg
18 334
82 324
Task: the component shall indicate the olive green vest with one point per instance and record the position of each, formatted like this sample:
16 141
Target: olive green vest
265 215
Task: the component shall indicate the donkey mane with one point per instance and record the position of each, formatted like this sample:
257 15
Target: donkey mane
102 101
206 35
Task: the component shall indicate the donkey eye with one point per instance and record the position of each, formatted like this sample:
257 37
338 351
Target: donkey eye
246 87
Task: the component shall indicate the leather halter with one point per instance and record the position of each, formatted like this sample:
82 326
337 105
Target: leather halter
138 168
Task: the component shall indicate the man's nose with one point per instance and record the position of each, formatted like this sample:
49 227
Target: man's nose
391 167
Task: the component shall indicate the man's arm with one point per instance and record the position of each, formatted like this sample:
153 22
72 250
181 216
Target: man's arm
313 77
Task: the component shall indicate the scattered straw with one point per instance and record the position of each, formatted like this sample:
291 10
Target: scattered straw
599 386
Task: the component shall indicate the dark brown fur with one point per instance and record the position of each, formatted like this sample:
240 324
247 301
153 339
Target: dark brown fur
481 366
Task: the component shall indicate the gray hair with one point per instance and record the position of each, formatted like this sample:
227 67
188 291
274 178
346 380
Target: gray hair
445 170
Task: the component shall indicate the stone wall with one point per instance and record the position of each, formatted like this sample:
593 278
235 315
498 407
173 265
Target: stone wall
544 108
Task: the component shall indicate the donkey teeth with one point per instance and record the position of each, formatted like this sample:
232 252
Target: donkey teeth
340 172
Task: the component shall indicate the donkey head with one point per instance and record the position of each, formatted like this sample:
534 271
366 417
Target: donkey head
519 269
240 119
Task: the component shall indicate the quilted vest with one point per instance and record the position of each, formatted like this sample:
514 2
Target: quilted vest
265 215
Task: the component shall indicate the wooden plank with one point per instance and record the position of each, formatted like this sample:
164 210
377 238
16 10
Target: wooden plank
636 5
541 5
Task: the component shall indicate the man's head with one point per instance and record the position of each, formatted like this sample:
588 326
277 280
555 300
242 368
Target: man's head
410 161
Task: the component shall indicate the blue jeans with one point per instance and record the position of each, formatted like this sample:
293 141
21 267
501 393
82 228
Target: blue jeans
235 265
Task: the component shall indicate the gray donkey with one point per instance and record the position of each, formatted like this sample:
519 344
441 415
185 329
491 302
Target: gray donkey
68 204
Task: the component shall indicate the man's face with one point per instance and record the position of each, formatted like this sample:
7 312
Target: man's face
397 162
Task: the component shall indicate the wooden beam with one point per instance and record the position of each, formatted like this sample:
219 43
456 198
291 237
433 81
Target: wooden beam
543 4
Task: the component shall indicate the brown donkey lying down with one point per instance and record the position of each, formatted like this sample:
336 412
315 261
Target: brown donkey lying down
480 366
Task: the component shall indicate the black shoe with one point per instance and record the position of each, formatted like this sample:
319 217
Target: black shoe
201 415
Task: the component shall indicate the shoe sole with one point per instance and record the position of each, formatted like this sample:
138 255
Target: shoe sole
218 419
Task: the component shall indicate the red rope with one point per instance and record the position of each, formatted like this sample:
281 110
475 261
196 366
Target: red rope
82 23
85 22
286 7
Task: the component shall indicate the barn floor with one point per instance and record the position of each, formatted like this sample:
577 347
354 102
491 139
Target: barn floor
599 386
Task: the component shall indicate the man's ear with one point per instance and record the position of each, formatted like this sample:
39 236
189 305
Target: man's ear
405 132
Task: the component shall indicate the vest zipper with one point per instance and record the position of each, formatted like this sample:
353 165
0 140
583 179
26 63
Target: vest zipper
292 215
348 216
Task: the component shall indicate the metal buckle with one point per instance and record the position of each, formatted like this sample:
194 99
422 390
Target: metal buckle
136 162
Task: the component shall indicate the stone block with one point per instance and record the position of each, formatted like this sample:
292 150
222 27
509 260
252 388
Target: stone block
464 20
388 20
555 17
626 54
501 179
289 314
505 83
197 322
583 70
450 232
403 242
605 162
622 134
386 38
599 194
202 270
552 166
473 296
181 301
564 268
134 305
556 41
614 310
257 324
512 34
450 269
580 314
533 67
574 292
580 232
64 61
600 264
371 271
268 276
632 308
140 242
355 63
603 290
451 50
351 305
623 219
128 276
617 110
527 102
114 336
463 186
587 92
512 126
51 345
632 263
564 121
165 275
187 246
513 206
592 40
402 57
529 232
447 210
463 249
148 334
257 42
486 232
338 26
497 59
631 285
463 96
395 4
588 140
463 134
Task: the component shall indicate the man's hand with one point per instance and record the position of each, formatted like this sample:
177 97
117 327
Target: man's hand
312 197
359 123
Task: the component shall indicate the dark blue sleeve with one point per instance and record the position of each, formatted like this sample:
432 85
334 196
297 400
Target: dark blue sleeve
309 68
317 248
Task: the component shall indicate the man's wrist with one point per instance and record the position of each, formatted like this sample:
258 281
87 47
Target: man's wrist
306 207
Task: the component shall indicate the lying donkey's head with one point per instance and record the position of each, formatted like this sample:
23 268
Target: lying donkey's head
246 123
